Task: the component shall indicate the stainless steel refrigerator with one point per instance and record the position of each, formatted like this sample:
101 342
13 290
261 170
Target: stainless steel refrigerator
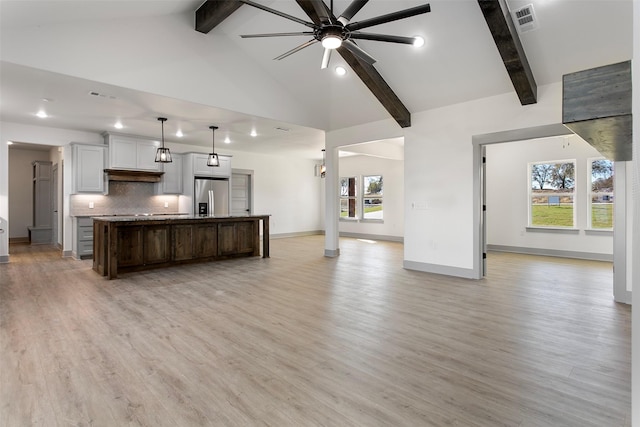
211 196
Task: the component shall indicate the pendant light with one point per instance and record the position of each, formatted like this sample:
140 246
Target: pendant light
323 167
213 160
163 155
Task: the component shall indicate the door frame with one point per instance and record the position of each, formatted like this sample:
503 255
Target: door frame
250 173
620 292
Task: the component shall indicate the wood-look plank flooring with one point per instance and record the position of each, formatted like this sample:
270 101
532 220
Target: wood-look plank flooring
303 340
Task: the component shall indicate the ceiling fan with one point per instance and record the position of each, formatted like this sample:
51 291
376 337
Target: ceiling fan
334 32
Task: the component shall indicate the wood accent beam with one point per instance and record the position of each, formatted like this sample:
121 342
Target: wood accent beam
505 35
367 73
213 12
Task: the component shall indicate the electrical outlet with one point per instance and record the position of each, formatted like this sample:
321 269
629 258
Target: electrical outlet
166 204
90 205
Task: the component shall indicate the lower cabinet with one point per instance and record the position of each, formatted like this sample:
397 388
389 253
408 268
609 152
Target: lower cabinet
236 238
143 245
84 237
193 241
130 246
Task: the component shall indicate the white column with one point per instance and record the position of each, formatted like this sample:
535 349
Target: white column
635 244
332 208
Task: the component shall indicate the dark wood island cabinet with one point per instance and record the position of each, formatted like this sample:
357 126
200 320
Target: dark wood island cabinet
123 244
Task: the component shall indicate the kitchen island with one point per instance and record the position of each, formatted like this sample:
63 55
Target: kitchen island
124 244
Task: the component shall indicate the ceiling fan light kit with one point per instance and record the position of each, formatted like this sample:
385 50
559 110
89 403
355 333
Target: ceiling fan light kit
334 33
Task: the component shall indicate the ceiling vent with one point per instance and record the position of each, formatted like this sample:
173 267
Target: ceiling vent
525 19
101 95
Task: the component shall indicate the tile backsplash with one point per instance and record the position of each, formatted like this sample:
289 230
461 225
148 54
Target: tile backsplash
124 198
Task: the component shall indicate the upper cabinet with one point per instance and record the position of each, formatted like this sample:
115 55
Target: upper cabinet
172 178
133 153
200 167
88 165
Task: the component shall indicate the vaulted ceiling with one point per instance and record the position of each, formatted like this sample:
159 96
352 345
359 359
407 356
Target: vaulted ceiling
459 62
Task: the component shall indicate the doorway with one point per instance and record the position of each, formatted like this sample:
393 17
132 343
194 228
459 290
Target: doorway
241 192
480 142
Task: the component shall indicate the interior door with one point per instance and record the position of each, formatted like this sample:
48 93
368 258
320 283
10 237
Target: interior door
241 194
55 205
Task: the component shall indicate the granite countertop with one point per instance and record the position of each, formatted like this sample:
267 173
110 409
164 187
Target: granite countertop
164 217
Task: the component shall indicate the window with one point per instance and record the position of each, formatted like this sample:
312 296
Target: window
601 197
552 186
348 200
372 197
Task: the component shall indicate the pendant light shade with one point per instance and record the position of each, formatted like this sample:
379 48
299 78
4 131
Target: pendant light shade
163 155
213 160
323 167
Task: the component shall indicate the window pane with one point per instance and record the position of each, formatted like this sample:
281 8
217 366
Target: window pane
348 193
373 208
373 190
552 211
602 175
552 186
373 185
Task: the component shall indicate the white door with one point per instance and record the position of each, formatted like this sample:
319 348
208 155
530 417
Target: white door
241 194
55 205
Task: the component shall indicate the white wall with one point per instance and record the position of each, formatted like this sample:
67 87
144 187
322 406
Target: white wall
439 174
393 205
507 196
21 189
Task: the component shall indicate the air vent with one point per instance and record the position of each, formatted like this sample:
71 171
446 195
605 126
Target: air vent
525 19
283 129
101 95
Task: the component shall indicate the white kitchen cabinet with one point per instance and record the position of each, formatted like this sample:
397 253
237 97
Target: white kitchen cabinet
200 167
87 167
132 153
172 178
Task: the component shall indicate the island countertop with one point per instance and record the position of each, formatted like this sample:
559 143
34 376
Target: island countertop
180 217
131 243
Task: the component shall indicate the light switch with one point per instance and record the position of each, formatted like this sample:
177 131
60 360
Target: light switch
166 204
90 205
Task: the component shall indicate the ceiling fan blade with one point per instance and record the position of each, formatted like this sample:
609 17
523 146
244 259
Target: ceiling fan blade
357 51
302 33
383 19
324 14
351 10
277 12
296 49
326 57
382 38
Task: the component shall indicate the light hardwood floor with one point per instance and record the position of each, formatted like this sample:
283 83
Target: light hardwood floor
304 340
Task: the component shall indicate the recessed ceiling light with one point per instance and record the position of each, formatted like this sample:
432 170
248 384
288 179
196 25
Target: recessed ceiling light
118 125
42 114
179 134
47 99
341 71
9 142
254 133
227 140
418 41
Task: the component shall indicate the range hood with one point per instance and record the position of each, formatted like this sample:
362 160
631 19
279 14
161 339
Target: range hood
132 175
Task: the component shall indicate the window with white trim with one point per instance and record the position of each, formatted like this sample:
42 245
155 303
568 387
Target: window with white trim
372 197
601 202
348 197
551 194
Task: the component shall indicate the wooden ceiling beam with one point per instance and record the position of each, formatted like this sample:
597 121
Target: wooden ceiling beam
366 72
213 12
505 35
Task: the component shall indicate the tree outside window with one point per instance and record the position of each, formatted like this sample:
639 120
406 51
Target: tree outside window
372 199
552 187
601 197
